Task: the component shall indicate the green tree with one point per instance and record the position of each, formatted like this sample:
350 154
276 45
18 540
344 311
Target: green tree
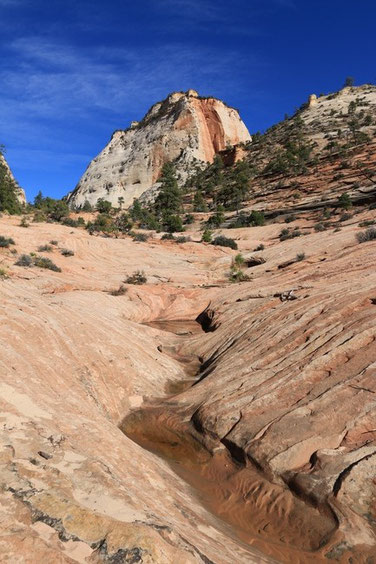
256 218
173 223
103 206
217 168
136 211
87 207
345 201
38 200
349 81
59 210
199 204
169 199
217 218
207 236
123 223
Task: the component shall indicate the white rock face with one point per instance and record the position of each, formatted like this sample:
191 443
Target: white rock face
183 128
19 192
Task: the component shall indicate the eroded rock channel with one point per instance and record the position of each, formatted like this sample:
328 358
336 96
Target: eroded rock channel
276 516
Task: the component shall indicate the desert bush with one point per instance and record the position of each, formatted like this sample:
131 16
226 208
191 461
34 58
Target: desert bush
167 237
300 256
188 219
123 223
70 222
58 210
237 275
287 234
207 236
140 237
39 216
182 239
368 235
87 207
241 220
256 218
367 223
103 206
6 241
344 201
223 241
238 260
24 222
319 227
345 217
137 278
3 273
24 260
260 247
120 291
67 253
44 262
217 218
54 242
290 218
44 248
103 222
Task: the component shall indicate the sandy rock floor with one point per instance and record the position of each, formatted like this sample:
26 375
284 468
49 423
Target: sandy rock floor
282 420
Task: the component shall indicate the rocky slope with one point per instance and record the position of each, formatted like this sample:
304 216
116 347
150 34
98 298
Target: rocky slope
191 419
328 146
183 128
276 437
20 194
327 122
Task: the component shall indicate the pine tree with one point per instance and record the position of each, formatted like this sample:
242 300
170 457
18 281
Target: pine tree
199 204
169 199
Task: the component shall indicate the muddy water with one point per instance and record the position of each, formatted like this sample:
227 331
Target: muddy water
266 516
191 364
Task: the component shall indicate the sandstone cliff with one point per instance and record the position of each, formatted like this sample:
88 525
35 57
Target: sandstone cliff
184 128
18 190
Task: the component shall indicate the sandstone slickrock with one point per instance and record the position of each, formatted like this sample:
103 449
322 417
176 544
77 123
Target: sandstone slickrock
129 435
21 197
184 128
278 429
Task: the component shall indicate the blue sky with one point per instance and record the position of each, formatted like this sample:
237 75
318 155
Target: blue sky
71 72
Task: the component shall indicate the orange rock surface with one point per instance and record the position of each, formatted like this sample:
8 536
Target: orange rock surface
268 457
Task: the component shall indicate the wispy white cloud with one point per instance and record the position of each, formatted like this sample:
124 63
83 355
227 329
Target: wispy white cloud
57 97
55 80
218 16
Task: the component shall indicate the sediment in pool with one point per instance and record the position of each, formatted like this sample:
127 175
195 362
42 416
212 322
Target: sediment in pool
265 515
